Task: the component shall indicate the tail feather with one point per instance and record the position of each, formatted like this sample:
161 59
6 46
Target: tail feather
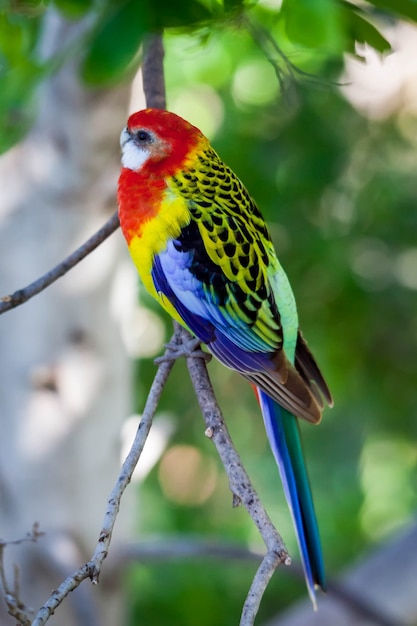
285 441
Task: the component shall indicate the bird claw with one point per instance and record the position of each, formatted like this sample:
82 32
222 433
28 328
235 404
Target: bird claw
189 349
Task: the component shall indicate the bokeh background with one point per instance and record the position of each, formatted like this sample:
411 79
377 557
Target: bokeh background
314 107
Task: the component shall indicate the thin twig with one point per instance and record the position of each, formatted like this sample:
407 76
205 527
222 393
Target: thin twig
15 606
23 295
282 66
260 582
285 71
31 536
92 569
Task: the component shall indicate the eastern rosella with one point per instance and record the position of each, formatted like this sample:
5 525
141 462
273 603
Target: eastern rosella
203 250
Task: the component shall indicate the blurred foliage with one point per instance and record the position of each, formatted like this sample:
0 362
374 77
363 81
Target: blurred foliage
109 46
339 192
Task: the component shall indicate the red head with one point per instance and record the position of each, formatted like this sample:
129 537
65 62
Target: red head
157 142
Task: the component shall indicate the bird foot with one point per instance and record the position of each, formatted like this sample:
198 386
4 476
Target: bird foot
190 348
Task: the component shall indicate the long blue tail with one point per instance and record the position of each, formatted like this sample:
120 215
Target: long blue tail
285 441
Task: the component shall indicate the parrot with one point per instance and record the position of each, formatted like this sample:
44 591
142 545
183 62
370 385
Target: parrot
204 252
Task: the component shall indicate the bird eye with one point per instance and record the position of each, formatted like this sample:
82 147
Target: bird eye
142 136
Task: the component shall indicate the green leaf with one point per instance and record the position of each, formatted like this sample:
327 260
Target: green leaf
362 31
18 37
73 9
315 24
20 73
121 31
182 13
17 104
404 8
115 44
233 5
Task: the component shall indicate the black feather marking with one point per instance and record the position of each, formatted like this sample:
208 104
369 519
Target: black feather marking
204 204
208 226
223 235
230 249
217 219
244 261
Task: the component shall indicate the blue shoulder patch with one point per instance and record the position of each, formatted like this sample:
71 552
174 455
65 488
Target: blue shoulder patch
198 325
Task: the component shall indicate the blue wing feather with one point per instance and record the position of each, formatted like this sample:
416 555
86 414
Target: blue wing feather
199 325
198 306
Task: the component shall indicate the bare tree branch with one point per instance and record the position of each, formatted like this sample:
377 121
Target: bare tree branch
23 295
152 72
240 485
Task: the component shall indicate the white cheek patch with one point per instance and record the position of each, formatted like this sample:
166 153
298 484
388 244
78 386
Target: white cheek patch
133 157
